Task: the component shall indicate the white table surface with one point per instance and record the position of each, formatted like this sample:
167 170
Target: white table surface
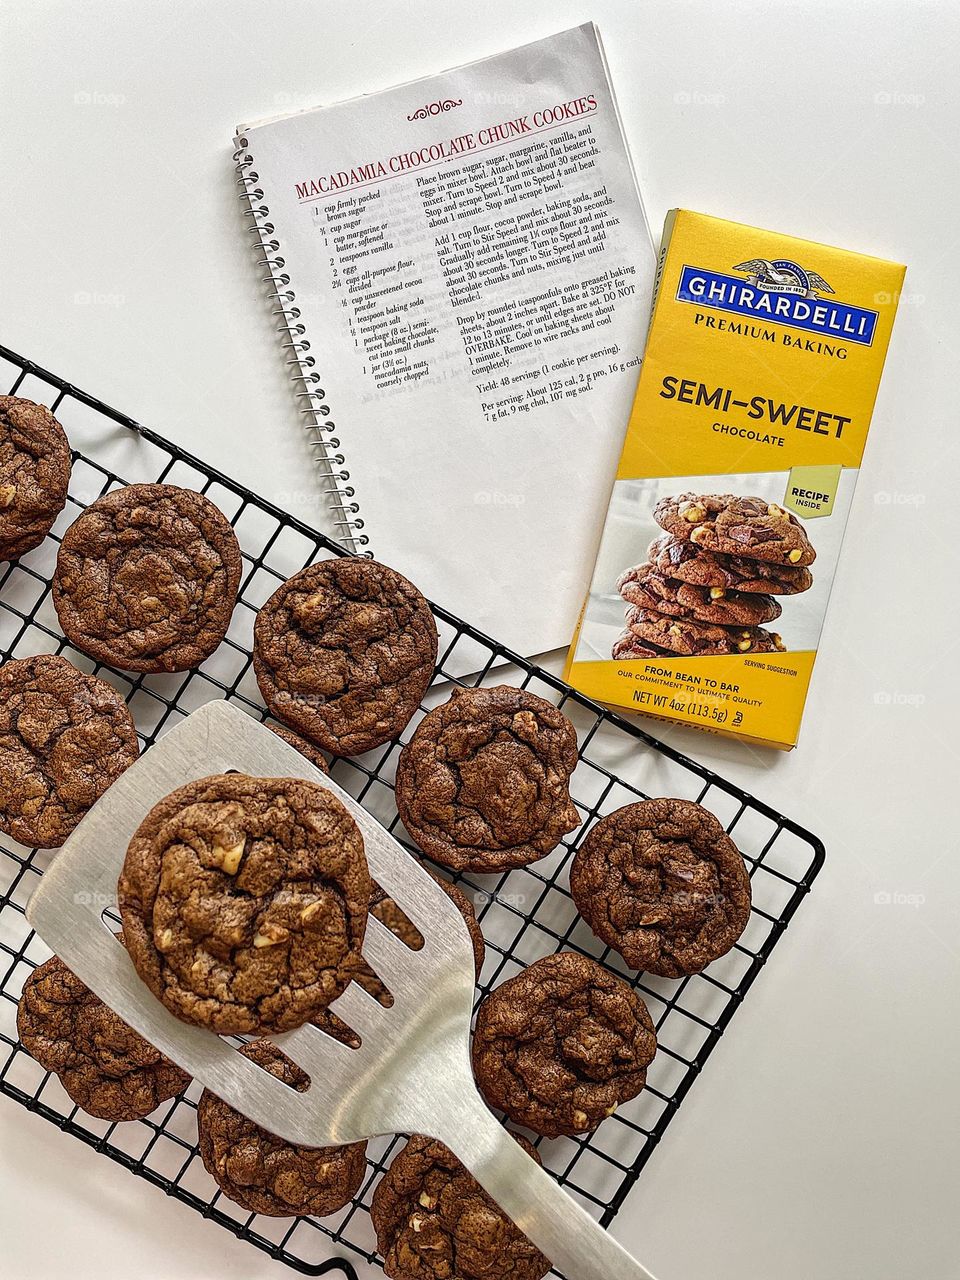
821 1140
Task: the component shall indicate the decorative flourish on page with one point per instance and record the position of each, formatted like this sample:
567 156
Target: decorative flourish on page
435 108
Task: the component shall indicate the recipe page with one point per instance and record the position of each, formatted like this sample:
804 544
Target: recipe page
473 269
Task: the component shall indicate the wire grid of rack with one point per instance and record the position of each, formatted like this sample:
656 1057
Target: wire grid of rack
524 914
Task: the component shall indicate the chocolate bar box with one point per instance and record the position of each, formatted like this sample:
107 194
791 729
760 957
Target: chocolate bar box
721 541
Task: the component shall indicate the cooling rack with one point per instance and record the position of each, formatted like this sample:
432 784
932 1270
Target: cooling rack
524 914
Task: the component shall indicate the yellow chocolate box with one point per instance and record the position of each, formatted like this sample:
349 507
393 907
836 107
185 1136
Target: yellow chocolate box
721 540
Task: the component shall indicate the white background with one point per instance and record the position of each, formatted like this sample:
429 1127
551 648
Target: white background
821 1140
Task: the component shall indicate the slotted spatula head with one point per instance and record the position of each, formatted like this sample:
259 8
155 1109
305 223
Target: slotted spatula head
355 1093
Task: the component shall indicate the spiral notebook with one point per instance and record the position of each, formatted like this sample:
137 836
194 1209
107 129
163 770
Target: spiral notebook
462 268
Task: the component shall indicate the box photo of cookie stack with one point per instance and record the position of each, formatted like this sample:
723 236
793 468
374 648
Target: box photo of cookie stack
708 584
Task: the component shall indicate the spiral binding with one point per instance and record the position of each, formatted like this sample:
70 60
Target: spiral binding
323 443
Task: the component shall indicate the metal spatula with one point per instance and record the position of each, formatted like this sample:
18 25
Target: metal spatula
411 1073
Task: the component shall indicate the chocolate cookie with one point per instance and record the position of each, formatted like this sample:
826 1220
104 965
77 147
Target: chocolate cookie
466 909
388 913
750 527
64 737
244 901
147 578
435 1222
34 474
264 1174
645 586
307 749
628 646
662 883
562 1044
684 637
108 1070
483 785
687 562
326 1020
344 651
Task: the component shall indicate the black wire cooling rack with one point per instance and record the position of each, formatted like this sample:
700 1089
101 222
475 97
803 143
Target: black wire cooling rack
524 914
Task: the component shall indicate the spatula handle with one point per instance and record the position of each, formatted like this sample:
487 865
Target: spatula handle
574 1242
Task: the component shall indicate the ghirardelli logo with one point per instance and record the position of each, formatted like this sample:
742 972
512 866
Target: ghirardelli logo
783 276
780 291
